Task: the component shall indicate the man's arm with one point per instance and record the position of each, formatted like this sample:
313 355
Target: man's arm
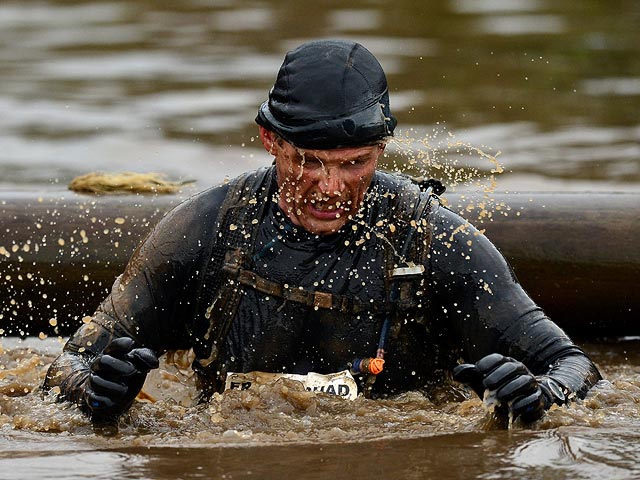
103 365
523 358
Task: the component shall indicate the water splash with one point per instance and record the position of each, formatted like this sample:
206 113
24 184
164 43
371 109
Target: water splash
165 414
463 167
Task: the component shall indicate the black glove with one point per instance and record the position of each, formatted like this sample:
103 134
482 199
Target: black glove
515 389
116 377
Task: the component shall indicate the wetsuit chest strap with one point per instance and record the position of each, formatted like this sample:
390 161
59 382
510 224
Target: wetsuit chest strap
310 298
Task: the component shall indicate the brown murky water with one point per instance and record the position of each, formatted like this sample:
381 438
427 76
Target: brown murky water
283 430
173 87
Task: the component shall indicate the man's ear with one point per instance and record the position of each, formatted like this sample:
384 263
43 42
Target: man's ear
268 139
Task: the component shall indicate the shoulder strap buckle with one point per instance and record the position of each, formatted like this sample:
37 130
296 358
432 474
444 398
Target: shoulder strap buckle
407 273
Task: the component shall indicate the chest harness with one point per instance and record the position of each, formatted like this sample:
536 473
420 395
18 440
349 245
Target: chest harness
227 271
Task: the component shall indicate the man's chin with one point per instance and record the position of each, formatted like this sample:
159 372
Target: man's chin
324 228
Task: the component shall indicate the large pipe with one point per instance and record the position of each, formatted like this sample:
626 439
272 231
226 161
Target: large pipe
61 252
577 254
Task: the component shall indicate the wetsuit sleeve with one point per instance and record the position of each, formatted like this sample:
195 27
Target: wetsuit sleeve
477 297
152 301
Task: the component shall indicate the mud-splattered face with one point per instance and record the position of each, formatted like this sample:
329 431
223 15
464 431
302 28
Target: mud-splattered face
320 190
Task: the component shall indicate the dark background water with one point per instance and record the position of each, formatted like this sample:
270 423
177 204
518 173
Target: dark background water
174 86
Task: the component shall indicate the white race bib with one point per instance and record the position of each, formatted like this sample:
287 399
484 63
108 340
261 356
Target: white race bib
341 384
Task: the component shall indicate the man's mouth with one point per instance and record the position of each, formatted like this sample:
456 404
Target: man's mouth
326 211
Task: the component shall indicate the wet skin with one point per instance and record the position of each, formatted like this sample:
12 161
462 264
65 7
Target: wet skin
320 190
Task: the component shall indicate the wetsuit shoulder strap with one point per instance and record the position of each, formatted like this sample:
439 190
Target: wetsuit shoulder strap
406 254
237 226
403 223
237 220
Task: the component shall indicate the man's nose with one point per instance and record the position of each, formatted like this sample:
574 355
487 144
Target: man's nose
331 183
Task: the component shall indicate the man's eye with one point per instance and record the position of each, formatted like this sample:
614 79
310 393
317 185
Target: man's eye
313 162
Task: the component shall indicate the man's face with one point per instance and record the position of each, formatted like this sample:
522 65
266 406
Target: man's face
320 190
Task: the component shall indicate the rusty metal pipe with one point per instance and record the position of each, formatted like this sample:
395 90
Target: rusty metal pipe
577 254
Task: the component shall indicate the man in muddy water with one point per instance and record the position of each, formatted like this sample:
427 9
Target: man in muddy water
321 263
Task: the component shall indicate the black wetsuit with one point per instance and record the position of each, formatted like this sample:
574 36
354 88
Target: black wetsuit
467 304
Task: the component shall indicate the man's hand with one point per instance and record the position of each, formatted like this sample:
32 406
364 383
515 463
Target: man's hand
116 377
508 383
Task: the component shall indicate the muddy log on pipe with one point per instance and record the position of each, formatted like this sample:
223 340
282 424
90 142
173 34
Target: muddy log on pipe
577 255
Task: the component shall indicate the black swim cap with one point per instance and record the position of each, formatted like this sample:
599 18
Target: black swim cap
329 94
